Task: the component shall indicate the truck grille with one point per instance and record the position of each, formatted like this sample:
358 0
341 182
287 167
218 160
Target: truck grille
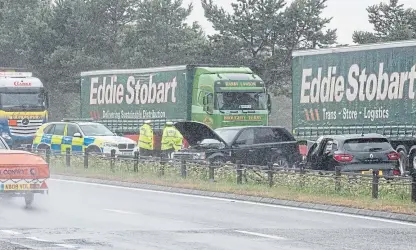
25 130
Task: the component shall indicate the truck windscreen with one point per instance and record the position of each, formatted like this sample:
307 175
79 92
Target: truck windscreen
22 101
241 100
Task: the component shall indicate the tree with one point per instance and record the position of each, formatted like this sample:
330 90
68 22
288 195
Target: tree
160 35
263 33
391 22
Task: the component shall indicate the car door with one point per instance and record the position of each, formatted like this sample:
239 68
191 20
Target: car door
75 142
325 154
265 144
57 137
243 147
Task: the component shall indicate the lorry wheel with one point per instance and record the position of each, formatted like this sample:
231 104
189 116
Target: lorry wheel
412 160
29 197
403 161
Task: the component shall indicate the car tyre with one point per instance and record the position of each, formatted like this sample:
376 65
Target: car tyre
29 197
217 161
94 150
281 162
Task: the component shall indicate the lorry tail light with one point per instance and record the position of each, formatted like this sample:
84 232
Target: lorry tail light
343 157
396 172
393 156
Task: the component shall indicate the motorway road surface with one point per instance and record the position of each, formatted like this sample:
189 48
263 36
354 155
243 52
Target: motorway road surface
92 216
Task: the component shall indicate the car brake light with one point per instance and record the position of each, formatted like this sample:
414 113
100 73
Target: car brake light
343 157
393 156
396 172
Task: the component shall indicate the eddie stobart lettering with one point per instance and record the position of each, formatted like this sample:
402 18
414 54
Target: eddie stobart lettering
135 91
360 84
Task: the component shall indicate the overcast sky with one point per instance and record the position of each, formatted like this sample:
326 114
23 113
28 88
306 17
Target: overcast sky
348 15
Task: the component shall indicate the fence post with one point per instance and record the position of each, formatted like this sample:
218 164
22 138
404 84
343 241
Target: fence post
270 173
183 167
302 174
68 157
86 159
413 186
136 161
375 183
337 178
162 165
211 170
239 173
112 159
48 156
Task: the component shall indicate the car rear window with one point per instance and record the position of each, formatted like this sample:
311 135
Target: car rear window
367 145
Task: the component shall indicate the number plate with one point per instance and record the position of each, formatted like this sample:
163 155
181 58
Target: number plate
371 172
17 186
127 153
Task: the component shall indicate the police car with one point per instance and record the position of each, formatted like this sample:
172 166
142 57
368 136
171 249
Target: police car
81 136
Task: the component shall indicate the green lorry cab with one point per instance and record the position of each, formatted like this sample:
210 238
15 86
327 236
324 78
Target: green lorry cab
219 96
357 89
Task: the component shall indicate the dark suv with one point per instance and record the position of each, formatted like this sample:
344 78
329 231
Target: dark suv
252 145
354 153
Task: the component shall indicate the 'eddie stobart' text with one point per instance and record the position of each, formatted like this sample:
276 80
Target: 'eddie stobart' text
139 91
360 85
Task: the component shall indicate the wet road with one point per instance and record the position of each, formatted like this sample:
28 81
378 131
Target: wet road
91 216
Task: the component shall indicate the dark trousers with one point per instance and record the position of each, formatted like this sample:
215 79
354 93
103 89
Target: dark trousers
167 153
145 152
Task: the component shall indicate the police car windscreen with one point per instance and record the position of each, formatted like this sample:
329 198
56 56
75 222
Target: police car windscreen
95 130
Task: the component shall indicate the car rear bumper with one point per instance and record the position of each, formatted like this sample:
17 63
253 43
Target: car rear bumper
384 168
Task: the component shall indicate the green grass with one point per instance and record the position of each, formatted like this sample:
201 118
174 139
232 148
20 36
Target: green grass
394 196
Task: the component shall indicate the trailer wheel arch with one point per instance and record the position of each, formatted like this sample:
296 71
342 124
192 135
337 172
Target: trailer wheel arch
412 156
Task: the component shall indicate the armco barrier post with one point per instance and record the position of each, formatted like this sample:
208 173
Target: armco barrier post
162 166
302 175
86 159
136 161
414 186
68 157
112 159
375 184
48 156
270 173
211 170
183 168
239 173
337 178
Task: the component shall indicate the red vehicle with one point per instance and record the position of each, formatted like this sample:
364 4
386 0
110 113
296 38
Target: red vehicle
22 174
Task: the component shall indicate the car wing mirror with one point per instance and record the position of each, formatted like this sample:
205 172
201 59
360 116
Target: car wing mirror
78 135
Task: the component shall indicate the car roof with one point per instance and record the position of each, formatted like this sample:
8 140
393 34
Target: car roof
74 122
355 136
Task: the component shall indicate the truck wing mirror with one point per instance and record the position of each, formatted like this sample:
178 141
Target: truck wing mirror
46 100
208 102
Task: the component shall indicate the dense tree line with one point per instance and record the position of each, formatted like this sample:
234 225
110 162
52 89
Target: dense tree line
57 39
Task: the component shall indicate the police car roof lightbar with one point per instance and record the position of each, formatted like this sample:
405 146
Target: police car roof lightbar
15 74
77 120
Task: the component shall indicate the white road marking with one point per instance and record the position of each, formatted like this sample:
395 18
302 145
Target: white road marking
37 239
10 232
118 211
261 235
66 246
239 201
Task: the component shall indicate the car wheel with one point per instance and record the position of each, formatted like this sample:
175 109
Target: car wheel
94 150
218 161
42 148
281 162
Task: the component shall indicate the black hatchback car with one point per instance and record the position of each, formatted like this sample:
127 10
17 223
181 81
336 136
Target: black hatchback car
251 145
354 153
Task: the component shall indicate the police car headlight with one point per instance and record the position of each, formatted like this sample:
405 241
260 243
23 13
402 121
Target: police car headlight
5 136
199 156
110 145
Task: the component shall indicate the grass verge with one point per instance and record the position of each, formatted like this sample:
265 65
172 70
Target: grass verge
356 192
